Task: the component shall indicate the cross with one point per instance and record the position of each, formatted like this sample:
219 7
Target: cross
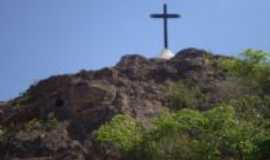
165 16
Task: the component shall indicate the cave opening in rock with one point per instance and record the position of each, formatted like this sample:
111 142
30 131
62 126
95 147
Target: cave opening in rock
59 102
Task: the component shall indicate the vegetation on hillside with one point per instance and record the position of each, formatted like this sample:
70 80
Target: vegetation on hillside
234 129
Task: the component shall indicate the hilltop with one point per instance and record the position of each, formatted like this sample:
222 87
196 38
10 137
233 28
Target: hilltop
58 117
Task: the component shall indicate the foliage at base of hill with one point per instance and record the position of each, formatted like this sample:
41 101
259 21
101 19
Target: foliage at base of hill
235 129
189 134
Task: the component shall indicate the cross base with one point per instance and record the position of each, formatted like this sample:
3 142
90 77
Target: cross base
166 54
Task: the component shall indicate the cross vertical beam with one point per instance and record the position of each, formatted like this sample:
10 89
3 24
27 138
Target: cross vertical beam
165 16
165 22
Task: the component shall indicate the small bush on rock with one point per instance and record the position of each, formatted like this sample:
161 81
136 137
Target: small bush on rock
42 124
253 66
184 96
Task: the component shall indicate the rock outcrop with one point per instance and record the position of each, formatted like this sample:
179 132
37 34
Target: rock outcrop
76 105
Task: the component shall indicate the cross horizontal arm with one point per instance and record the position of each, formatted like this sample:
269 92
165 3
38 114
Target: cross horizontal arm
173 16
165 16
157 15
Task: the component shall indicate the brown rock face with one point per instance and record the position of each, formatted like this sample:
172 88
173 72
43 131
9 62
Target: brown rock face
84 101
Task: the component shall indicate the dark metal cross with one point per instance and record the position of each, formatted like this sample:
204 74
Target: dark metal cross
165 16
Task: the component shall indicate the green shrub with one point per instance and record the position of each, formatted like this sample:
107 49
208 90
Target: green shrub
41 124
182 95
181 120
2 133
172 136
123 131
263 150
22 100
252 108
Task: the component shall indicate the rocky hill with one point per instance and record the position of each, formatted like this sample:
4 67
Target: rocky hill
56 119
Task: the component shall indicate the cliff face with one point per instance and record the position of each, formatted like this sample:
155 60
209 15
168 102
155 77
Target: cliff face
72 107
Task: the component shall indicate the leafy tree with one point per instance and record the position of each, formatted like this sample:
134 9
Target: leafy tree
172 136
